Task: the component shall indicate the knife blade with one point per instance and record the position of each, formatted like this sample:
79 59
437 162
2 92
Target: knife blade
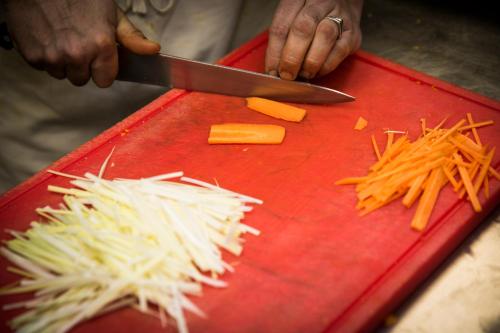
176 72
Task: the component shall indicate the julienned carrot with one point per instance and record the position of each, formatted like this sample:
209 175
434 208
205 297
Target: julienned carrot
246 133
419 170
276 109
360 124
428 200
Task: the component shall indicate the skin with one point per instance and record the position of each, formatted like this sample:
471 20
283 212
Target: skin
302 42
74 39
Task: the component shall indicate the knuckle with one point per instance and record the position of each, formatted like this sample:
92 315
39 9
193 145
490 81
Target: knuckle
303 26
327 31
343 50
279 31
76 54
103 42
312 64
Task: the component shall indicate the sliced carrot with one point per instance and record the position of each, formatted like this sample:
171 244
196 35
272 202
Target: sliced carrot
360 124
428 200
418 170
246 133
468 185
375 148
276 109
474 131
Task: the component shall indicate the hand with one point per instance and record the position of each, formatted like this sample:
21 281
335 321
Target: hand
74 38
302 41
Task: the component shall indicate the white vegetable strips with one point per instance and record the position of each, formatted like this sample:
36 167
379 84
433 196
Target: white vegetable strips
145 243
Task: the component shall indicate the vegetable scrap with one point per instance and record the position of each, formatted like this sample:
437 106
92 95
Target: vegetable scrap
360 124
419 170
142 243
246 133
276 109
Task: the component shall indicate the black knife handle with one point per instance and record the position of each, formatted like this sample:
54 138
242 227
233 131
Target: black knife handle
5 40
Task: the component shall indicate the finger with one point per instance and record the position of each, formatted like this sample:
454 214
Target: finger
53 65
278 32
132 38
77 64
300 37
104 67
324 40
339 52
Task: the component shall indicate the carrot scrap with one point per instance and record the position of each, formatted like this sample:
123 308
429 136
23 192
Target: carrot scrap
418 170
360 124
276 109
246 133
375 148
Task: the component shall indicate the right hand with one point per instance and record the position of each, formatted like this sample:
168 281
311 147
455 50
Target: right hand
74 39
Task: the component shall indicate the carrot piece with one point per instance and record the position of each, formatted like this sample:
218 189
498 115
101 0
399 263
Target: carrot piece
423 124
246 133
474 131
414 191
486 187
484 171
360 124
468 185
276 109
375 148
428 200
476 125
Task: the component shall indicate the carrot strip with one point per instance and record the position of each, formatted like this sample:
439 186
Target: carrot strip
276 109
494 173
246 133
360 124
484 171
476 125
390 139
423 125
474 131
468 185
486 187
414 191
375 148
428 200
449 132
350 180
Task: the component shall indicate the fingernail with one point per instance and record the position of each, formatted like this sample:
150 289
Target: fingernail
273 73
286 76
305 75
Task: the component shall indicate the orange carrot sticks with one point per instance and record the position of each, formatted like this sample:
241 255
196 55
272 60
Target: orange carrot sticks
276 109
418 170
246 133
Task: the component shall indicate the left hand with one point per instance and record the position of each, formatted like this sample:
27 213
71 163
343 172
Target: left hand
303 42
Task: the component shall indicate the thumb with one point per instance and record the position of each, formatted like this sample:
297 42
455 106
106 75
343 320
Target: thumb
132 38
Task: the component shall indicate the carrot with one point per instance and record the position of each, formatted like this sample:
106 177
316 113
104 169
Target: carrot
428 200
375 148
418 170
276 109
360 124
246 133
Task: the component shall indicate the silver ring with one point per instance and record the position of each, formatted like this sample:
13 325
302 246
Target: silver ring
339 22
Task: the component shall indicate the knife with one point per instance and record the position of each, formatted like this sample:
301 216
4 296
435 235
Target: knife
176 72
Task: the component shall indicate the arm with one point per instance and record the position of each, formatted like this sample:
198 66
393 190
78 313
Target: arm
302 42
74 39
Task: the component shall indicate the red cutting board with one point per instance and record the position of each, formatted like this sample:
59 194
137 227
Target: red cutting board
317 266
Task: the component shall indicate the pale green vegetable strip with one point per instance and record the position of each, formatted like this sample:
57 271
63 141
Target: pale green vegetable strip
124 242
